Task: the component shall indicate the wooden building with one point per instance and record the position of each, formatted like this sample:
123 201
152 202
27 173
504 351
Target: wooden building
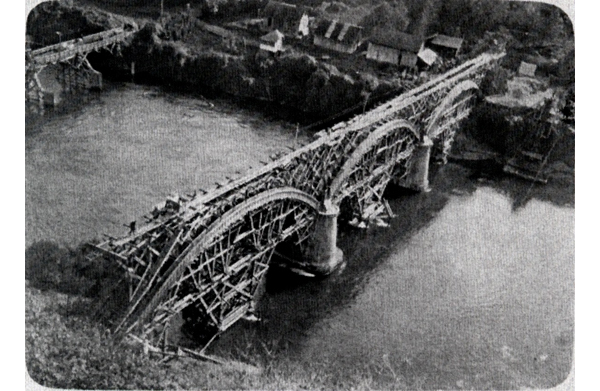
397 49
338 36
427 57
272 42
445 45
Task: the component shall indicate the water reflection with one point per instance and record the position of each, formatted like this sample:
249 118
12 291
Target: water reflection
460 289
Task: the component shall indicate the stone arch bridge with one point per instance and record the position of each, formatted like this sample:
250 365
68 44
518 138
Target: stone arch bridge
204 255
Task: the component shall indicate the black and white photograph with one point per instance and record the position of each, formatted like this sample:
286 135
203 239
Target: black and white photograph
299 195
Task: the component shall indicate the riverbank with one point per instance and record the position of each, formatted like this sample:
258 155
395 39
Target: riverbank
188 54
65 348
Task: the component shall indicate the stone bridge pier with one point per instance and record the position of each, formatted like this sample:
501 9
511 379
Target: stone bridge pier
48 85
418 173
322 253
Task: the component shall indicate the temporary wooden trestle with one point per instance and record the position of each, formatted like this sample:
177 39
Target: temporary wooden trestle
75 73
203 256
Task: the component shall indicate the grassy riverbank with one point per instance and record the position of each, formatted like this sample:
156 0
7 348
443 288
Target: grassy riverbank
66 348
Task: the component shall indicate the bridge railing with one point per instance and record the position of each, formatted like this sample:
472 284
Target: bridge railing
69 49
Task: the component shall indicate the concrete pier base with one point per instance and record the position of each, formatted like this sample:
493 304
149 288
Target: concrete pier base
322 256
418 175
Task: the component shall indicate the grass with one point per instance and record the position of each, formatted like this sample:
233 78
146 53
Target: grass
65 349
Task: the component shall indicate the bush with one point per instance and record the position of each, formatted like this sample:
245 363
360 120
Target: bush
51 267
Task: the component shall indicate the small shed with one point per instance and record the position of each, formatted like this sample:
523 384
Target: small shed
527 69
446 45
398 49
272 42
287 18
338 36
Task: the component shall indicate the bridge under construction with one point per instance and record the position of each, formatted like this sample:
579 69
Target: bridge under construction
203 256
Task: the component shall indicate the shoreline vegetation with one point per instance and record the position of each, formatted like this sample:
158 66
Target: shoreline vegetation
66 345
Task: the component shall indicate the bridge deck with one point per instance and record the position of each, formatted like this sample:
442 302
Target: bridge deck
69 49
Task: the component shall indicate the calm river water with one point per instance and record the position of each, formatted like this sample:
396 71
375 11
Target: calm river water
471 285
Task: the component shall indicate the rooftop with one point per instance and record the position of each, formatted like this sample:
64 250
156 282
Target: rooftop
398 40
447 41
272 37
342 32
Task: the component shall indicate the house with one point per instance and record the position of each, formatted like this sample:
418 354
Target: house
527 69
272 42
397 48
338 36
287 18
445 45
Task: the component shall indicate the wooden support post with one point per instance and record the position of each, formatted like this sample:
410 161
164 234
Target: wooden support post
322 254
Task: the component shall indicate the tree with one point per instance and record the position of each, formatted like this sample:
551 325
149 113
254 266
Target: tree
387 17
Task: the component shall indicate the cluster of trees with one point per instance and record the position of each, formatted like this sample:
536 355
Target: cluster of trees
468 18
474 17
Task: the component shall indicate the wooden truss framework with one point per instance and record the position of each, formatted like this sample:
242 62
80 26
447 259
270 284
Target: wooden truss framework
208 251
76 73
364 176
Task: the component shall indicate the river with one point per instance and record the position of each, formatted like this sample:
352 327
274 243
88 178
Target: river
471 285
94 166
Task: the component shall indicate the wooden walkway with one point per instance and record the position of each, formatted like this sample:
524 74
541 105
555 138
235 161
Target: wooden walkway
82 46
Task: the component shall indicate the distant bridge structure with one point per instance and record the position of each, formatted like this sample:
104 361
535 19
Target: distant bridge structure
75 73
204 255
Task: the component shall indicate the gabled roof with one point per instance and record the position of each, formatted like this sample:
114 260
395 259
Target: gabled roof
273 37
342 32
398 40
447 41
428 56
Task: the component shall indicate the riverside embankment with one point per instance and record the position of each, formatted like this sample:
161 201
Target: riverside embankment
208 64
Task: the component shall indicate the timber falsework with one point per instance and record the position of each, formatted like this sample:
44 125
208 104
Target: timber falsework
75 72
204 255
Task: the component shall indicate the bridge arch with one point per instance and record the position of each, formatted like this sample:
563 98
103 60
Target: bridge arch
448 105
217 277
367 171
